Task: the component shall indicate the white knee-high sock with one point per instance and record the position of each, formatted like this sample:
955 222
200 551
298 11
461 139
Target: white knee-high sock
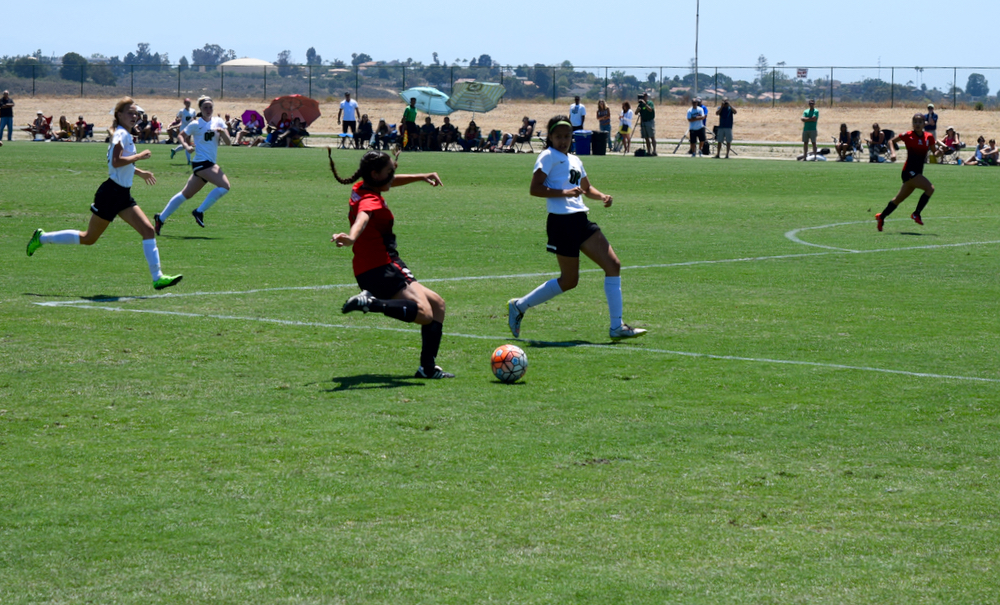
613 292
152 258
212 197
542 293
174 203
70 236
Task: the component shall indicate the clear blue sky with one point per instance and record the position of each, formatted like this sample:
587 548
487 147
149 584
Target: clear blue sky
522 31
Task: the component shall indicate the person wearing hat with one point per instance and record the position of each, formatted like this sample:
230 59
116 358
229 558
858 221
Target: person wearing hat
724 134
6 114
696 126
39 126
930 120
810 118
952 141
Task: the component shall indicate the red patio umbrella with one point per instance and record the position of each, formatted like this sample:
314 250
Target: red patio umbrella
296 106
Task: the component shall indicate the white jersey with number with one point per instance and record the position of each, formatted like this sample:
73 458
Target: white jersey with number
122 176
562 172
185 116
205 138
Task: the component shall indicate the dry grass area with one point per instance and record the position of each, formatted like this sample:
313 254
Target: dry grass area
752 123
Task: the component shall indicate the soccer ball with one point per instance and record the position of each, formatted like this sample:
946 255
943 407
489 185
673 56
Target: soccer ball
509 363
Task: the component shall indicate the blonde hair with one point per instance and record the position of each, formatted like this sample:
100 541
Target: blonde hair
123 104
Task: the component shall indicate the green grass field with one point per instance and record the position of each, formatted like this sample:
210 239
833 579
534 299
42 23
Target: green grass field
812 417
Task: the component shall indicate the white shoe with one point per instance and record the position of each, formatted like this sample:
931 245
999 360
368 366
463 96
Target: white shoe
625 331
514 317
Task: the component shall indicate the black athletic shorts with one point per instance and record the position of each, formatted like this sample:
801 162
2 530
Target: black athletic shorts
697 135
110 199
350 124
386 281
909 172
199 166
567 232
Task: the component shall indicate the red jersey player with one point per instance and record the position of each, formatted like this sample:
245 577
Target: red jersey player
918 145
387 285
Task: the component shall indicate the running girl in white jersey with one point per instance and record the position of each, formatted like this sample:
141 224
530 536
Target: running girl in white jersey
204 133
114 198
561 179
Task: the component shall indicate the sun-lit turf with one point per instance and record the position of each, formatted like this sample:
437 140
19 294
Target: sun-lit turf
802 423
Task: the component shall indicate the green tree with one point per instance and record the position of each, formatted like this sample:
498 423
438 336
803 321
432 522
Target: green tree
763 70
102 75
211 55
27 67
183 65
74 67
977 85
312 58
359 58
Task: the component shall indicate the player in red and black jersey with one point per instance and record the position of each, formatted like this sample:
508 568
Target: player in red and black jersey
387 285
918 145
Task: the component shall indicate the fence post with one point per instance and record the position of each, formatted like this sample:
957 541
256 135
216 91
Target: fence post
222 82
892 87
605 85
265 83
954 88
32 80
81 81
131 81
357 71
773 93
716 86
310 80
404 77
553 85
831 87
451 84
178 81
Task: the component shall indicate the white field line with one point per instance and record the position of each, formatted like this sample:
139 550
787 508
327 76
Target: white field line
605 347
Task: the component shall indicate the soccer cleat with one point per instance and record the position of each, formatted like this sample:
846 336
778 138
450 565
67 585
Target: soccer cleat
879 221
173 152
624 331
199 217
167 280
35 243
359 302
437 373
514 317
916 218
157 223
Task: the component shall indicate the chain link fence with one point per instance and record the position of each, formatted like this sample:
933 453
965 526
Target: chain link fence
756 85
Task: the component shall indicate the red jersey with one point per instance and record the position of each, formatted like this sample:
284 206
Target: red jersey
917 147
377 244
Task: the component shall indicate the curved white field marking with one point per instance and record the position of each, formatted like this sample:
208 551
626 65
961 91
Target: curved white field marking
793 234
606 347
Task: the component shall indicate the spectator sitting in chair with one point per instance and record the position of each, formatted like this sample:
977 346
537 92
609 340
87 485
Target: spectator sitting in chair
364 132
448 133
141 127
232 125
428 136
152 131
843 143
527 130
80 129
876 144
979 157
39 127
65 130
952 140
172 129
470 141
383 136
293 135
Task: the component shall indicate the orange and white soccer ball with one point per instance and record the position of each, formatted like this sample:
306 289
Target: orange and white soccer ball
509 363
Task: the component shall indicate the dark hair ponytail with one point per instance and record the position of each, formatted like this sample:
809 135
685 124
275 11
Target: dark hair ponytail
371 161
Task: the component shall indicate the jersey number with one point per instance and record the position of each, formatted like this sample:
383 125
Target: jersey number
209 135
574 177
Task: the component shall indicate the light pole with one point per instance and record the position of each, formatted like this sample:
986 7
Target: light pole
697 17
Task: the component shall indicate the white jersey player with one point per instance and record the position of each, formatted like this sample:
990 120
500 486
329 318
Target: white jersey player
200 137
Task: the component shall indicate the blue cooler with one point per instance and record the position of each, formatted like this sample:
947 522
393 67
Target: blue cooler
581 141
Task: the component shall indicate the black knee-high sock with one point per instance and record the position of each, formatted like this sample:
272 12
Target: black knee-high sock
926 197
403 310
888 209
430 336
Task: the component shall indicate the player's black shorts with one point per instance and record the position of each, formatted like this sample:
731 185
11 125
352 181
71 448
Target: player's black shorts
909 172
386 281
110 199
567 232
199 166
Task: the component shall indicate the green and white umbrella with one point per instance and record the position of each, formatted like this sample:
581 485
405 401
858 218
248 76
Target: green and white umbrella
477 97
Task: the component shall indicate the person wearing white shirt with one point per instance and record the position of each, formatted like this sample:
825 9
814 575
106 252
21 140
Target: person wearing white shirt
577 114
349 110
560 178
114 198
696 126
625 126
184 117
204 133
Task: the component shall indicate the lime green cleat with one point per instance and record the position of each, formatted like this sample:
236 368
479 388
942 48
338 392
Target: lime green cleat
166 281
36 242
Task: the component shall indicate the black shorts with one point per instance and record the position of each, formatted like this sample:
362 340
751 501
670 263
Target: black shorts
567 232
352 124
386 281
697 135
910 173
199 166
110 199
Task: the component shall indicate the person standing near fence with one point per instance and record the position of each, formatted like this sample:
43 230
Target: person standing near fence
810 119
696 127
349 110
725 132
604 120
185 116
647 123
930 120
577 114
6 114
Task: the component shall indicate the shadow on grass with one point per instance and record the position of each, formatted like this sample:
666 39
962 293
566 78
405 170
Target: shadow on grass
919 234
371 381
188 237
545 344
